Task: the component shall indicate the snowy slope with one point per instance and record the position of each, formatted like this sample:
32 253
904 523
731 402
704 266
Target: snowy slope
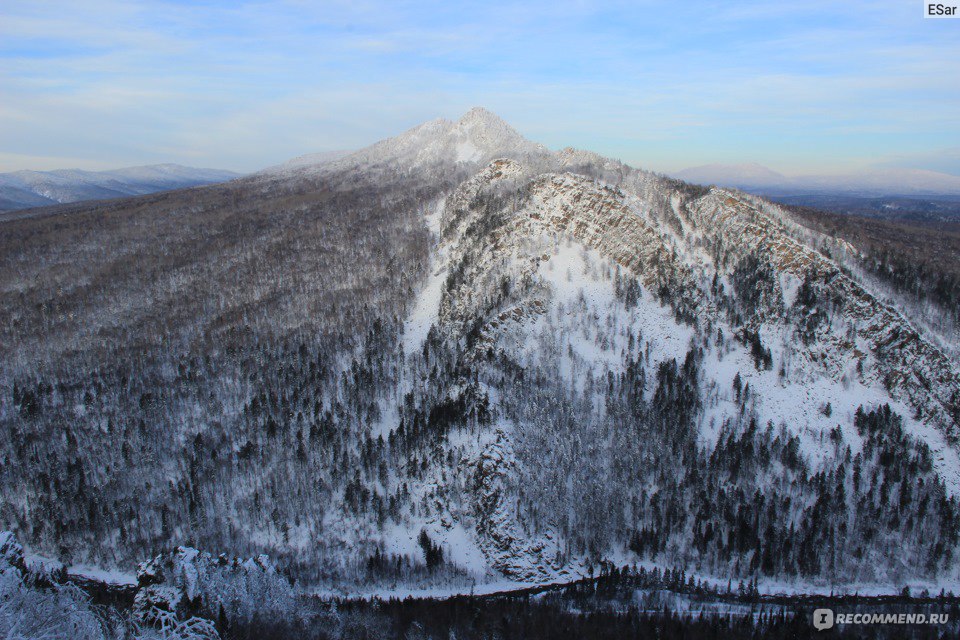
525 364
560 246
525 265
925 381
476 138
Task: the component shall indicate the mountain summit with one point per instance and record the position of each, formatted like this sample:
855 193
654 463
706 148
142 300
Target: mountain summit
477 137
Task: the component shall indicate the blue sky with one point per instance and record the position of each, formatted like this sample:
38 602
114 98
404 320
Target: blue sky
803 87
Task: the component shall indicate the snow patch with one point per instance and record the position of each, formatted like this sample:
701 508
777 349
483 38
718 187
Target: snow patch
468 152
426 312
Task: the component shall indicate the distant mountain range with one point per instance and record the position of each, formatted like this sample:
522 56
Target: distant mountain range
25 189
756 178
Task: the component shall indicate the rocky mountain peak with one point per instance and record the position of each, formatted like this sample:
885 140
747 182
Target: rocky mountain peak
483 117
478 137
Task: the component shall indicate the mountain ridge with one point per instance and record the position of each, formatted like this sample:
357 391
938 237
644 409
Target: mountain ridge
25 189
427 364
875 182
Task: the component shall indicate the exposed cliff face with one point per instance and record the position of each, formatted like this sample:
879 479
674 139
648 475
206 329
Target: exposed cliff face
628 230
502 224
910 366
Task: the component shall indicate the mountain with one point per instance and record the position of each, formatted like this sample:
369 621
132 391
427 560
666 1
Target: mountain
457 359
877 182
24 189
477 137
732 175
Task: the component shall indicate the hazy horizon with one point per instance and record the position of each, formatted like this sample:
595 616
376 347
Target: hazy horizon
799 87
710 165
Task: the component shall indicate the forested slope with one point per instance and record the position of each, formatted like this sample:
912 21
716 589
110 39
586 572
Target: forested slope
457 357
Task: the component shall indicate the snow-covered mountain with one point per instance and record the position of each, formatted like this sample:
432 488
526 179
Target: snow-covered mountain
24 189
478 137
455 358
733 175
876 182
